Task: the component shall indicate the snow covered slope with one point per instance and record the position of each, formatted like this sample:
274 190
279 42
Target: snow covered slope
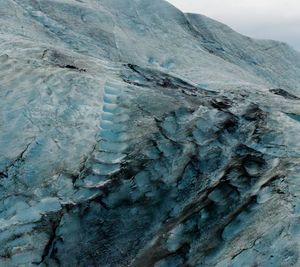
132 134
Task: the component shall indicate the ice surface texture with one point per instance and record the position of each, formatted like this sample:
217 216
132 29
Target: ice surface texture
132 134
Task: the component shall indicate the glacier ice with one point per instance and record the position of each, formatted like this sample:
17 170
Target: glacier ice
132 134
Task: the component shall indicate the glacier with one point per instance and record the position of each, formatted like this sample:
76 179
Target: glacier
132 134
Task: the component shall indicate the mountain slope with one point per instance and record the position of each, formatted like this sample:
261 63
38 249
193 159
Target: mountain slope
132 134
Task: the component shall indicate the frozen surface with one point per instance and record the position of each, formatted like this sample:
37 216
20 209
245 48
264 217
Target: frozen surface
132 134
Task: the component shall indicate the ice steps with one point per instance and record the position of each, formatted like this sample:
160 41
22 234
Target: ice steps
112 139
109 157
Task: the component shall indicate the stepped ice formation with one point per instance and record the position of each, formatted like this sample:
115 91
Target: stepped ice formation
132 134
